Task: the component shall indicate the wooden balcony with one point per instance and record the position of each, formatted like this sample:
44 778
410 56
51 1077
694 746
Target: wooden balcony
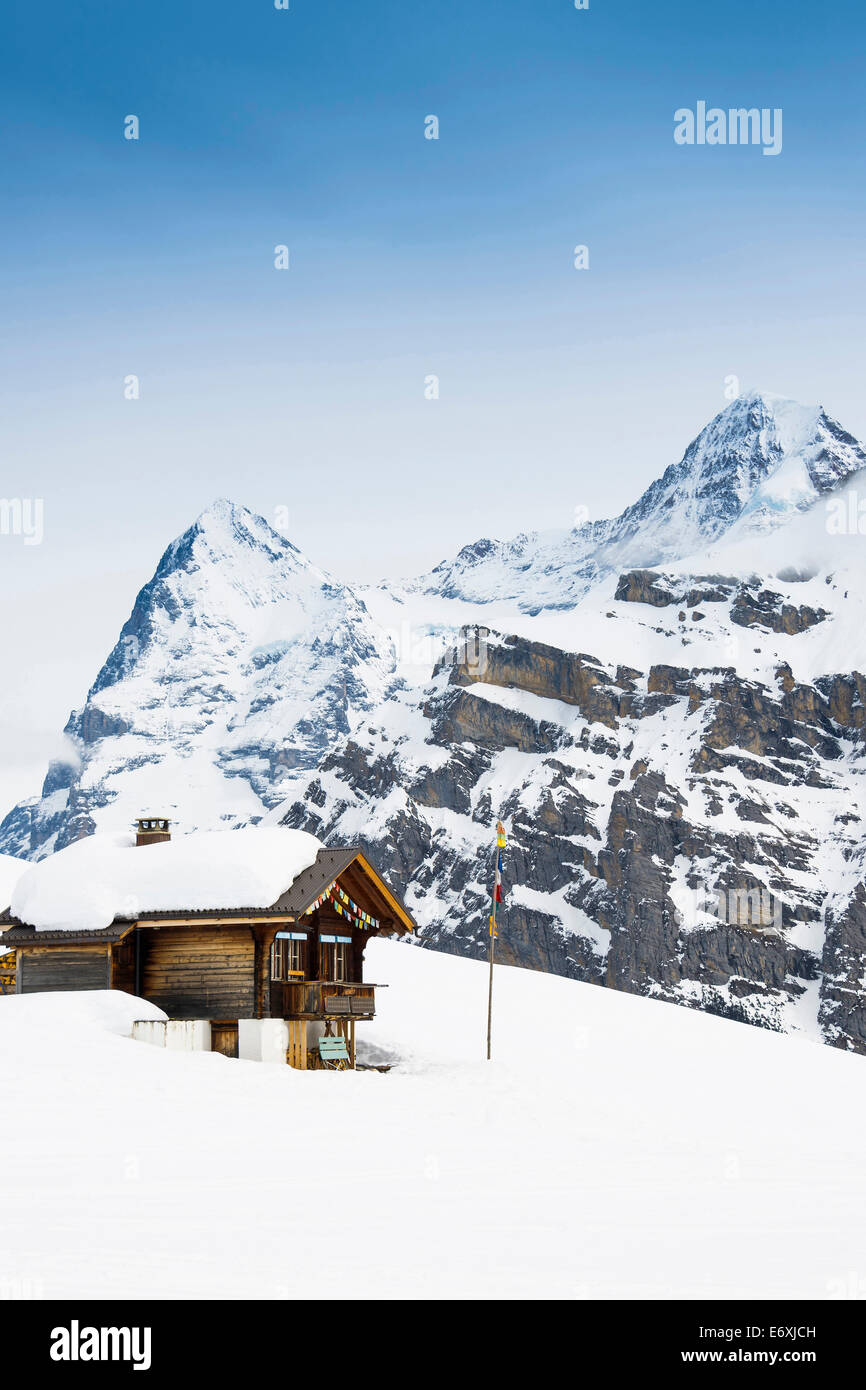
323 999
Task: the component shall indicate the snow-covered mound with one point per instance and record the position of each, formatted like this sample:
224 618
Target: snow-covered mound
11 870
87 885
614 1148
85 1016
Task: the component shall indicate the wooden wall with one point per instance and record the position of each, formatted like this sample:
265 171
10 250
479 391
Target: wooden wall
54 968
224 1037
200 972
123 964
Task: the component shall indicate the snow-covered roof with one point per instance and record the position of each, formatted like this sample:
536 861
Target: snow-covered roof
11 870
86 886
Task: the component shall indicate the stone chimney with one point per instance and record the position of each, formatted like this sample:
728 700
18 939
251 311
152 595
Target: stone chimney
151 830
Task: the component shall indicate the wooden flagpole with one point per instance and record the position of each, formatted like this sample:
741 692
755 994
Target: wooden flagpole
490 985
500 841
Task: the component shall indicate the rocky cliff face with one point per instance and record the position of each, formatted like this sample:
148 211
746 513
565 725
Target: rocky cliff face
672 831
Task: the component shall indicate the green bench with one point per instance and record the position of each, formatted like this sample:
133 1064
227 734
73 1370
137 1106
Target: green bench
333 1053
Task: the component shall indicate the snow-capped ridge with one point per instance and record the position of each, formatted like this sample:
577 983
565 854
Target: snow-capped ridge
758 463
240 662
222 528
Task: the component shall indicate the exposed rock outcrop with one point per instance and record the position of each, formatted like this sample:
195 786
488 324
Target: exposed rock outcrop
692 872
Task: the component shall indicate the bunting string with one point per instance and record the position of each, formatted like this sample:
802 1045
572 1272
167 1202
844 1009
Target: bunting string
346 907
320 899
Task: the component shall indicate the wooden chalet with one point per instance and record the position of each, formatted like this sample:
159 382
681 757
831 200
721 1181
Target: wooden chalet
301 959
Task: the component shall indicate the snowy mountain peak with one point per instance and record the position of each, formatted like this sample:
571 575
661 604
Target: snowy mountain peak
240 663
227 531
758 407
758 463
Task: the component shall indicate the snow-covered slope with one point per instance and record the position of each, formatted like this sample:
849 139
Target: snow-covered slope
758 463
639 1151
240 662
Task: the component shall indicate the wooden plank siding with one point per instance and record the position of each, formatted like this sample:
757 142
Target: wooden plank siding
123 964
224 1037
199 972
53 968
264 940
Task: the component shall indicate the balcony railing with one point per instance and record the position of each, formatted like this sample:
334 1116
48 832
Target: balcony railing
323 999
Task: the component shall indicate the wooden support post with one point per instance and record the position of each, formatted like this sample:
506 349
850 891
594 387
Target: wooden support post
297 1051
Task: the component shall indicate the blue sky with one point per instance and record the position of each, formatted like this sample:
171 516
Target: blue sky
305 389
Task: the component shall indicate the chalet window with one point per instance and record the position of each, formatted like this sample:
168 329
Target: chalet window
288 955
334 957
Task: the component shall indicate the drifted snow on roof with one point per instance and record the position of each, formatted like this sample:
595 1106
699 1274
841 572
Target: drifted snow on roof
11 870
90 883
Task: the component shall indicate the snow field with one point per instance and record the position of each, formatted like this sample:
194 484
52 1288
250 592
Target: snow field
615 1147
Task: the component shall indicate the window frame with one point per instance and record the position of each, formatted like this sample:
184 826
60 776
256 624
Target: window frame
335 958
288 957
